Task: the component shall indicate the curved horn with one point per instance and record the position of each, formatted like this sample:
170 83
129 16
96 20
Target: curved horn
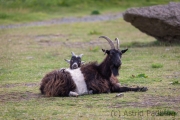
116 39
110 41
73 54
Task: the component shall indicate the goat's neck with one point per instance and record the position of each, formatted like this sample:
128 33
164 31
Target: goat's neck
104 68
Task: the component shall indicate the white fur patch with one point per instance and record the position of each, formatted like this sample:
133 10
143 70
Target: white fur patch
78 78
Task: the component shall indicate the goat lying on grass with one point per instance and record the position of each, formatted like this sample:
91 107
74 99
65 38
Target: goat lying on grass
75 62
90 76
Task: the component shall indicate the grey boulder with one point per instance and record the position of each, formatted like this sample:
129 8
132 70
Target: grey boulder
160 21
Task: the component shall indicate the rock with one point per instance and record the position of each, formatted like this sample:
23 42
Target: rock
160 21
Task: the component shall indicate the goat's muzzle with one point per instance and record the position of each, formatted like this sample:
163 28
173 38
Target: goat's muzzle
74 66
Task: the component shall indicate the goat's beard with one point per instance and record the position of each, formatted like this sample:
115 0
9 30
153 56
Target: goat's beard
115 70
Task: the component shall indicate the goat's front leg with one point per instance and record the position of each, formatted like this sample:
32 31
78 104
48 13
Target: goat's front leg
90 92
136 89
117 88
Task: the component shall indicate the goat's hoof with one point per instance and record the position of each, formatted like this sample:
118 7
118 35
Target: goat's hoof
120 95
90 92
143 89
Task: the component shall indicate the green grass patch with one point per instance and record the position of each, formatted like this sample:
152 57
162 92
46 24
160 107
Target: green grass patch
142 75
167 113
94 32
175 82
3 16
157 65
95 12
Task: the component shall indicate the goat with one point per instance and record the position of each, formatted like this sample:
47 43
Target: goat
90 76
75 61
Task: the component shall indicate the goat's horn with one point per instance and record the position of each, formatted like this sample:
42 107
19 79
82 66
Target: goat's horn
68 61
117 43
73 54
80 55
109 40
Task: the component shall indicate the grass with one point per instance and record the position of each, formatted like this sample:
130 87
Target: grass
18 11
175 82
95 12
94 32
28 53
167 113
157 65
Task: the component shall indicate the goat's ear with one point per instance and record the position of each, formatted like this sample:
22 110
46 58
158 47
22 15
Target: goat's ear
106 51
68 61
123 51
103 50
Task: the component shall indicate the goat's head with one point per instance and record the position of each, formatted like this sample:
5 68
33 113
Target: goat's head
114 55
75 61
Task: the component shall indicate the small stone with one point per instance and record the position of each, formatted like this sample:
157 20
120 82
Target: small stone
29 57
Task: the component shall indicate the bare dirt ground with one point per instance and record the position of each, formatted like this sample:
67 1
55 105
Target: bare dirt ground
91 43
152 101
90 18
45 40
19 96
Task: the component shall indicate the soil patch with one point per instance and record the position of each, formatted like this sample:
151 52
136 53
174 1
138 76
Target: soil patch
151 101
146 100
72 44
90 18
19 84
19 96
